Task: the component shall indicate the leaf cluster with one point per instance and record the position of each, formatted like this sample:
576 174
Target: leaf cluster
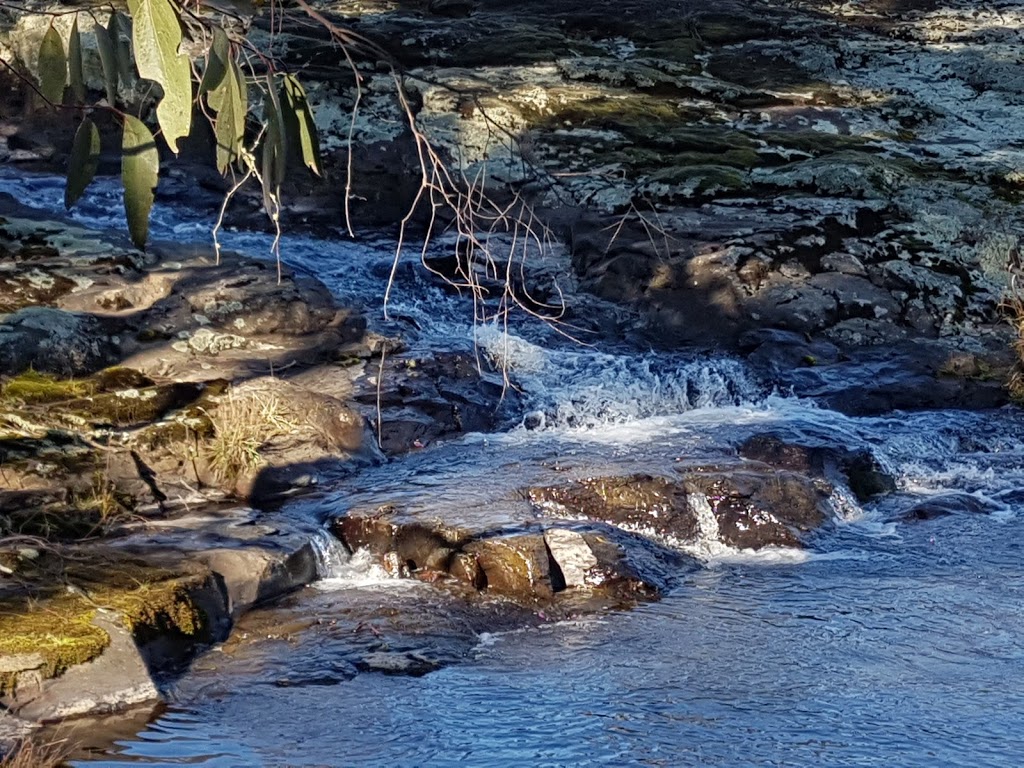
146 44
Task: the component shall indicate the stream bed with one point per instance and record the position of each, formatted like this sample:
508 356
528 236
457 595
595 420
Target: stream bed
888 640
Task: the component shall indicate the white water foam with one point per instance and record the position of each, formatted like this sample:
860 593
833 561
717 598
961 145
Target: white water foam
580 388
363 569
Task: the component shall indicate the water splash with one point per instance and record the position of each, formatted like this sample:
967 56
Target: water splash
331 555
363 569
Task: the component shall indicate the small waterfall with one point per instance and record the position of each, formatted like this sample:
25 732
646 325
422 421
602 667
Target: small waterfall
331 555
578 387
708 544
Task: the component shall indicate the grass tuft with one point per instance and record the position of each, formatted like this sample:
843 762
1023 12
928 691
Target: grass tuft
1013 309
34 754
243 425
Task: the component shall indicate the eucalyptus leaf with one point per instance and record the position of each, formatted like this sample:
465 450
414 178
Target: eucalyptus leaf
85 158
120 29
75 64
229 129
275 148
298 117
53 67
140 168
156 39
217 62
108 58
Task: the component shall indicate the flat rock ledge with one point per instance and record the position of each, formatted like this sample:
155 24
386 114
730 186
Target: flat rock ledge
94 628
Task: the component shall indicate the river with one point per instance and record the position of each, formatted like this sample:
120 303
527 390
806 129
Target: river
886 642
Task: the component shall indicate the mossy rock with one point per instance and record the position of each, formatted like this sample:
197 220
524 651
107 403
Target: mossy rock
523 46
817 143
113 397
52 617
636 115
677 48
132 407
696 181
32 387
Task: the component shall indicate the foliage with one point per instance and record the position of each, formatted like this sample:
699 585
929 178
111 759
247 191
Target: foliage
252 134
260 116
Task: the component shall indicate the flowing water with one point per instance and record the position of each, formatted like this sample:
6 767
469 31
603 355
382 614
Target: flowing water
886 642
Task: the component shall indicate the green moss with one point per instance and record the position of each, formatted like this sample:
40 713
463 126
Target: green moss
54 616
194 426
59 630
816 143
147 335
31 387
679 49
115 396
701 180
516 46
135 406
636 115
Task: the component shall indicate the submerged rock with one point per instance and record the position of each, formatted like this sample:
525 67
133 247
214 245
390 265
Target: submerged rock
751 505
946 504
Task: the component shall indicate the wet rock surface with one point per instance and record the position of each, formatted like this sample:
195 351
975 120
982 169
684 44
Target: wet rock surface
828 189
549 565
745 505
841 173
139 392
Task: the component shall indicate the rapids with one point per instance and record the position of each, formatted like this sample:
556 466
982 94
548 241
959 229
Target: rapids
888 641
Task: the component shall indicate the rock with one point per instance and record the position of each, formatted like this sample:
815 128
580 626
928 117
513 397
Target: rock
271 437
608 563
253 575
517 566
867 381
434 397
944 505
395 663
580 564
13 731
642 503
116 679
451 8
755 509
856 468
417 546
140 605
55 341
866 478
752 506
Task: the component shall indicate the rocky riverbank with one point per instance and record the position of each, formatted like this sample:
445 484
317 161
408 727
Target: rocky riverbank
146 401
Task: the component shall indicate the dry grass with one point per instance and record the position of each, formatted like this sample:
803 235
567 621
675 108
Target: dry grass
1013 309
242 425
34 754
